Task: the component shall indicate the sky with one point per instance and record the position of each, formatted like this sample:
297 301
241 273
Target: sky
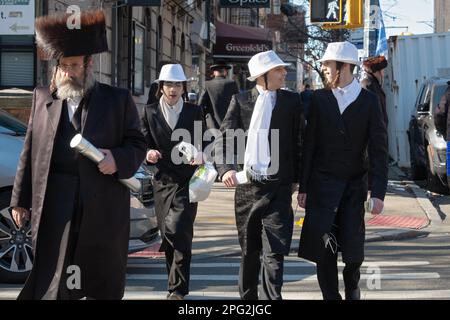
411 15
416 15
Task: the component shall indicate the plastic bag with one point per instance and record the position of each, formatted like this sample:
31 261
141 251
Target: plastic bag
202 182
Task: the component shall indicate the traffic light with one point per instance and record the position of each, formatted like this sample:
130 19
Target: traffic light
326 11
351 12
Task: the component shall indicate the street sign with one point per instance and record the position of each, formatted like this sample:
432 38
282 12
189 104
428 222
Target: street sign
245 3
326 11
17 17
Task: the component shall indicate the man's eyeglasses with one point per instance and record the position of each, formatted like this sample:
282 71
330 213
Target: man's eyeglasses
71 67
173 84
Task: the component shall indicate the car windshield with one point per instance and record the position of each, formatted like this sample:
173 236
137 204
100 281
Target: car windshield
10 125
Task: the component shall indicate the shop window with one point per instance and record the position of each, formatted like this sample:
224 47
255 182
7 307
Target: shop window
173 52
138 58
159 35
183 49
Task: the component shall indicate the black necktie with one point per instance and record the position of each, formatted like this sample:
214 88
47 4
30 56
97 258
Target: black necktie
76 119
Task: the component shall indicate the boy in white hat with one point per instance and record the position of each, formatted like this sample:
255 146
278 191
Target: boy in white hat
345 122
264 216
174 212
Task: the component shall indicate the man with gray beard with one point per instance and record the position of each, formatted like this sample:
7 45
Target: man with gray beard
78 210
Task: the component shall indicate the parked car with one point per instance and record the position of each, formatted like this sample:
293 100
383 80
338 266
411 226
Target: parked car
16 256
428 148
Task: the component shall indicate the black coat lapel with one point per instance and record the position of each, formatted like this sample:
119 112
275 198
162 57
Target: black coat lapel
94 108
333 108
161 121
277 112
54 106
185 119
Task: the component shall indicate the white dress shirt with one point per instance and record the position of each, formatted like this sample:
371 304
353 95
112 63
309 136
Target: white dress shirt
72 105
347 95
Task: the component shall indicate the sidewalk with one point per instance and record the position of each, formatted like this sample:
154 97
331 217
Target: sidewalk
405 213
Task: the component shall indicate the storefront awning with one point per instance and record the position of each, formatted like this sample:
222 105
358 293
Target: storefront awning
235 41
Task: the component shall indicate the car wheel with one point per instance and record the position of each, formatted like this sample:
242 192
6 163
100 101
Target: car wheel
433 181
16 257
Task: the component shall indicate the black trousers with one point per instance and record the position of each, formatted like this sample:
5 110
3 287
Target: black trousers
327 275
178 266
271 270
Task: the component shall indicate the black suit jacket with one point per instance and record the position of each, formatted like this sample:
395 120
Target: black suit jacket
287 117
158 136
336 145
216 99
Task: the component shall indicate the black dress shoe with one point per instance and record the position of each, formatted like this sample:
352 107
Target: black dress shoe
175 296
353 294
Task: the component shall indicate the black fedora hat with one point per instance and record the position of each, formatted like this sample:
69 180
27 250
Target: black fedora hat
220 65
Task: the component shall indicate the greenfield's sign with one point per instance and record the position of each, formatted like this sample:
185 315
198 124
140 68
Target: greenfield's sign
245 3
17 17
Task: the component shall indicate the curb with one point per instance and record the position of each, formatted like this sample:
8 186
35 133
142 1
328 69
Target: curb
425 203
397 234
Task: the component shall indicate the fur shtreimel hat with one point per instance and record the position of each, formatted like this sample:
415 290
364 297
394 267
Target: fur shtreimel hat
376 63
56 37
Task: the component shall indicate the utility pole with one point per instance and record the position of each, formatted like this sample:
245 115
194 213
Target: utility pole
372 17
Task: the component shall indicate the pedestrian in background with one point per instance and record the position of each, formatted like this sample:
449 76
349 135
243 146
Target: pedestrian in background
442 123
217 95
374 68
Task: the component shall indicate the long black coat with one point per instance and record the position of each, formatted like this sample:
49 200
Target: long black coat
109 121
335 168
175 214
265 205
216 99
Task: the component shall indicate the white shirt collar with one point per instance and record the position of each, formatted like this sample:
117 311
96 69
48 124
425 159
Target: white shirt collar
347 95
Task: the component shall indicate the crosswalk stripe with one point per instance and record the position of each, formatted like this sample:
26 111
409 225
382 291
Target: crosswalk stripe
316 295
149 265
310 295
289 277
234 295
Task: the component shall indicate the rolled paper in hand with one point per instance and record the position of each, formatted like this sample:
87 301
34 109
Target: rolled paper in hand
84 147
